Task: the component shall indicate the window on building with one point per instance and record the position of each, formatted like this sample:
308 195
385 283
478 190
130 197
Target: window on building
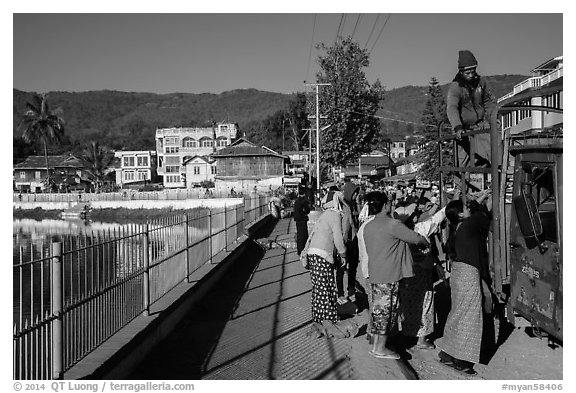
172 168
172 149
523 114
196 170
37 175
143 161
553 100
128 161
171 140
207 142
213 169
400 155
22 174
172 160
129 175
142 175
173 179
188 142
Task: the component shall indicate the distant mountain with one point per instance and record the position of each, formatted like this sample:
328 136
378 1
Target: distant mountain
125 119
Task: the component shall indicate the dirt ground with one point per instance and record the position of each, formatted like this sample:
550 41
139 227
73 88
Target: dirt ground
522 356
516 354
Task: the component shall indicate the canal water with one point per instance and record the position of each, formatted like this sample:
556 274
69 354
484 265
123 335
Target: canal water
96 255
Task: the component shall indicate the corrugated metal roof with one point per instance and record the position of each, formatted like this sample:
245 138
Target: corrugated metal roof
243 147
39 162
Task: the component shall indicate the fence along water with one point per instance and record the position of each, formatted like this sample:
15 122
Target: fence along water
68 302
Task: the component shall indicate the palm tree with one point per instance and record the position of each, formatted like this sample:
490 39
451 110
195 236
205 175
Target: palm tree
96 160
39 123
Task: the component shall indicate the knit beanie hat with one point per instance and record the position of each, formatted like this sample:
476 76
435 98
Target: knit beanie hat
466 60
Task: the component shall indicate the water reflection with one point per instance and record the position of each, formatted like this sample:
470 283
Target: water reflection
95 256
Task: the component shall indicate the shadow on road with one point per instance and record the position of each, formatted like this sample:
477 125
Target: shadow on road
186 351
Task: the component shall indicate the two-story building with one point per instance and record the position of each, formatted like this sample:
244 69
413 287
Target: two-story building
369 166
550 73
136 167
299 162
397 148
67 173
243 166
199 169
176 145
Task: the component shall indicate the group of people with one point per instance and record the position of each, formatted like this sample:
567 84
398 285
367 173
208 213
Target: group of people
391 242
396 253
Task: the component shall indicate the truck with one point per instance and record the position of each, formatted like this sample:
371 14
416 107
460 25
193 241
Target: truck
525 241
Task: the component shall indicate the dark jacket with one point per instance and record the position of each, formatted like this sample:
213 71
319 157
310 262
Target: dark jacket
301 209
348 192
470 242
468 104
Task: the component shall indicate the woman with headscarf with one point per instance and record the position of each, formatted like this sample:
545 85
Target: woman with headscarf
467 244
326 236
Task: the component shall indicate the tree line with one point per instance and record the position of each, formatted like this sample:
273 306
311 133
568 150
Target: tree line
356 116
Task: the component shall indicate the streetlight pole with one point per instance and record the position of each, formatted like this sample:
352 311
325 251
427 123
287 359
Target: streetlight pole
317 85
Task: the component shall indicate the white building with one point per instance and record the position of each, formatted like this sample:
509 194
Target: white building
176 145
135 166
549 73
199 169
397 149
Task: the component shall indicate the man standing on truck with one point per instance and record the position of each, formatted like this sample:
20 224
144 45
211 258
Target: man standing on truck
468 108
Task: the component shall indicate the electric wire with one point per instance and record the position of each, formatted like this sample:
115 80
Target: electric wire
372 31
379 34
339 27
311 46
398 120
356 25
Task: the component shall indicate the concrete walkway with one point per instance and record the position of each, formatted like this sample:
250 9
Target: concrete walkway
254 325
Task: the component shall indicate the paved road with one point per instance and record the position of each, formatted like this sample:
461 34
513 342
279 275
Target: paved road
254 325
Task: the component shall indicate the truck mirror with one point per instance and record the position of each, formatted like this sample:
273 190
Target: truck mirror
528 219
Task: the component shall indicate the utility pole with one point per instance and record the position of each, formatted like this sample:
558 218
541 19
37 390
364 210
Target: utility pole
317 85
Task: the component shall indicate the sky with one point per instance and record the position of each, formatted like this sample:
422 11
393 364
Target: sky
215 52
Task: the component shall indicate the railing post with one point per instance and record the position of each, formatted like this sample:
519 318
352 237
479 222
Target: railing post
146 284
57 307
187 256
210 232
225 228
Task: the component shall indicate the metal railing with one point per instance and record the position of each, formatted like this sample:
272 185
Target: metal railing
79 293
535 81
169 195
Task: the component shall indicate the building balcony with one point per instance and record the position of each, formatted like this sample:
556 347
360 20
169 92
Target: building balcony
534 82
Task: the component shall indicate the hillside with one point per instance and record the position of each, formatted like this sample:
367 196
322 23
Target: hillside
129 120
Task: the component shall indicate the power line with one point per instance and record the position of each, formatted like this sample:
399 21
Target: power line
356 25
311 46
379 34
339 27
372 31
398 120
